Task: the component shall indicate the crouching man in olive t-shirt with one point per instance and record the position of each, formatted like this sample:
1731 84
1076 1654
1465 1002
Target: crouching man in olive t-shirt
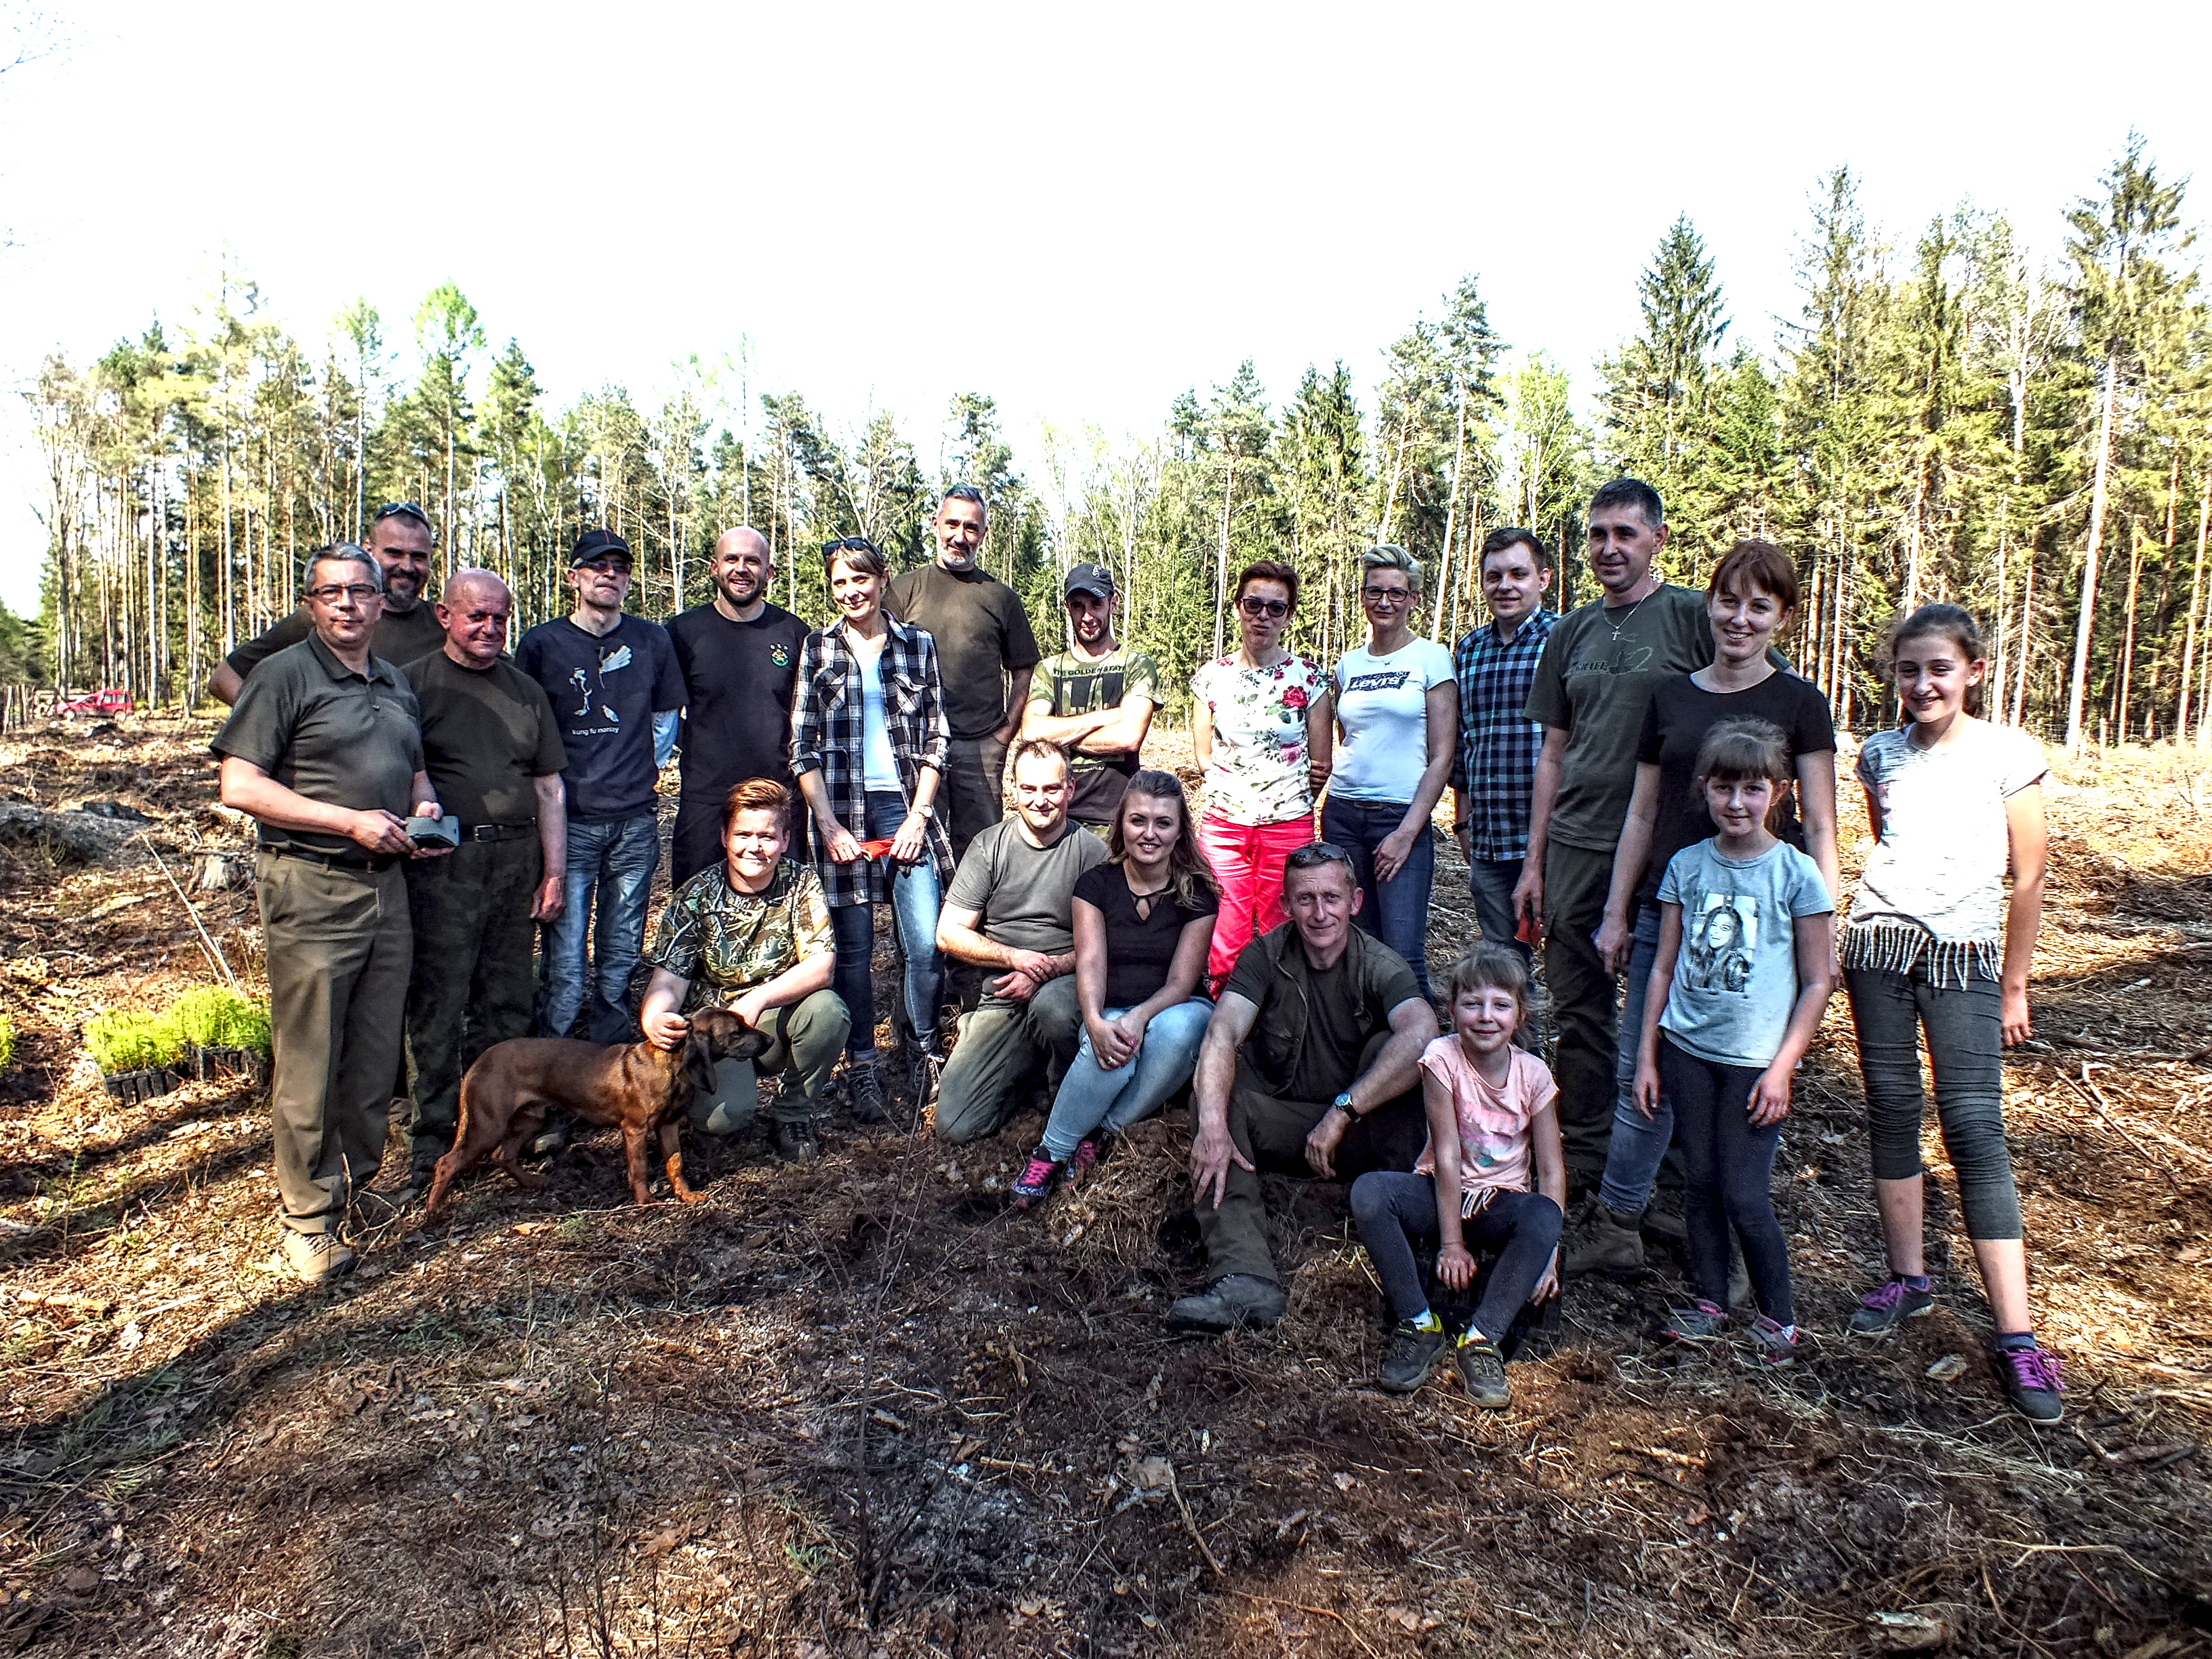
1312 1066
1011 911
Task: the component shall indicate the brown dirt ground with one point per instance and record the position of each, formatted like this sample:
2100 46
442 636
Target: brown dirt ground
859 1408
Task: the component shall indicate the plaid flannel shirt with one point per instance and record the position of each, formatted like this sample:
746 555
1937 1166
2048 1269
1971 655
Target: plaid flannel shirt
1498 743
826 716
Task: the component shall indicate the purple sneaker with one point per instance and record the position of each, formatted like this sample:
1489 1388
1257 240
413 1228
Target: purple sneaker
1080 1160
1883 1310
2031 1382
1701 1321
1034 1181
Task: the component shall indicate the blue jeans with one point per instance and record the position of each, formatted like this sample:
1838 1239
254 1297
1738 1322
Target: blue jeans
1395 911
1639 1144
915 905
1492 882
1093 1098
616 859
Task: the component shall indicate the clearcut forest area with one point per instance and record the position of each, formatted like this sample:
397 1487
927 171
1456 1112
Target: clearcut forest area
859 1408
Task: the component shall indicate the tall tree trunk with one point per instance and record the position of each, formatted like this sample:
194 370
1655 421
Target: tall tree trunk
2128 648
1221 558
2196 610
2085 623
2027 641
1451 516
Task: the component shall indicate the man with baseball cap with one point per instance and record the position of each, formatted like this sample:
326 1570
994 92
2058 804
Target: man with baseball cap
616 691
1095 699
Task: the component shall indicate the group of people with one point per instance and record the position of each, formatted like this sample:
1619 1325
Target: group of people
1641 786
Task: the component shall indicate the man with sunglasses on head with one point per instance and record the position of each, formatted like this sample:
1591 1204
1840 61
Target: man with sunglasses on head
739 655
1095 699
400 540
324 749
986 655
616 692
1312 1066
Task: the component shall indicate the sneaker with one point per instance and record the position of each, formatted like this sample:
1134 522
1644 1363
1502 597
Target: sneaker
1882 1310
920 1068
795 1140
1612 1247
1412 1353
1080 1160
1034 1184
1233 1300
2031 1382
314 1258
1777 1346
865 1090
1701 1321
550 1142
1482 1371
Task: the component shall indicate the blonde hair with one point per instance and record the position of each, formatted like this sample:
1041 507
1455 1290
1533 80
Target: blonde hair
1391 557
1194 882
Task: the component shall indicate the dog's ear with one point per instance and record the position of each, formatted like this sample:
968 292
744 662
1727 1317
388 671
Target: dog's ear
732 1039
699 1058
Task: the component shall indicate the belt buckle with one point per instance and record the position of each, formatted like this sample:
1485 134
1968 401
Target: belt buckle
484 832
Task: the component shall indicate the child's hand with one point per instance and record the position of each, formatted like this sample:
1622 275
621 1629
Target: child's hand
2018 1025
1548 1285
1455 1267
1646 1095
1770 1097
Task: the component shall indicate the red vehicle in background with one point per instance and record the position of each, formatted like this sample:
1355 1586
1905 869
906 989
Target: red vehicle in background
107 701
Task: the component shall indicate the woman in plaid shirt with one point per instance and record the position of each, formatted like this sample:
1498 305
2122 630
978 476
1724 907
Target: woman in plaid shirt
868 746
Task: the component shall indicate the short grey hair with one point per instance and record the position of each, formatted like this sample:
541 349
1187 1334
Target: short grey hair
1391 557
478 573
345 553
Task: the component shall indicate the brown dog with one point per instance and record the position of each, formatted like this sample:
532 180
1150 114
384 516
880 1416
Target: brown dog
643 1091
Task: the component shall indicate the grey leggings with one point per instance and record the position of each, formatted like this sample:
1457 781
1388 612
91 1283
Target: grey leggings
1966 1045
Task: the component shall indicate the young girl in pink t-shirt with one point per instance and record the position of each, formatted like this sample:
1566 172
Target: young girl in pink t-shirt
1492 1177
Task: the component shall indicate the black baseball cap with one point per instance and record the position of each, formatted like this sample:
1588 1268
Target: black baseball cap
1093 579
598 544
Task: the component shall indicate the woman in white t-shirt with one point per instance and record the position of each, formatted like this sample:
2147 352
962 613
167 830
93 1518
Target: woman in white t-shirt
1397 705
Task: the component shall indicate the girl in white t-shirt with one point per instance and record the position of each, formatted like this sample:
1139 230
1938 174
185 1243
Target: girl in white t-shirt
1934 944
1492 1176
1397 706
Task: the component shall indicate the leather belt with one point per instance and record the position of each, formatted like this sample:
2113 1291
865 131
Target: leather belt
498 831
362 864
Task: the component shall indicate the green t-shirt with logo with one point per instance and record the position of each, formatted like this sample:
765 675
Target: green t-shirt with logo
1068 684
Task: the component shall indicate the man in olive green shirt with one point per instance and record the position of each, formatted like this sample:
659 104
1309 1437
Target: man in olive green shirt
323 749
399 539
493 754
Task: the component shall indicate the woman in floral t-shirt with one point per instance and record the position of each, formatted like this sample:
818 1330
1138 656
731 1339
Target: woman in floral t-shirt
1259 721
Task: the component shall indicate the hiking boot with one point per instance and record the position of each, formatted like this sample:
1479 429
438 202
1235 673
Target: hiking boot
1701 1321
1882 1310
795 1140
1776 1344
1034 1184
314 1258
1411 1355
2031 1382
1233 1300
865 1090
1664 1225
1612 1247
1080 1160
1482 1371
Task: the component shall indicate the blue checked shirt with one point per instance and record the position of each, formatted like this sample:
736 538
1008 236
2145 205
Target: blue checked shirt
1499 743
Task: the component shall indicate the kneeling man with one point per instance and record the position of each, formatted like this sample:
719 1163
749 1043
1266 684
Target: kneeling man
751 934
1311 1066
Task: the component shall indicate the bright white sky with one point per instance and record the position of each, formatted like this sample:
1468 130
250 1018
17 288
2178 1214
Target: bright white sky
1079 211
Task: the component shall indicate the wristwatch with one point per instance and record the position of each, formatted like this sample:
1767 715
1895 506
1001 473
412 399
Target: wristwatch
1343 1103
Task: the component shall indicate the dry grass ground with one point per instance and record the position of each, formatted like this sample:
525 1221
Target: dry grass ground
859 1408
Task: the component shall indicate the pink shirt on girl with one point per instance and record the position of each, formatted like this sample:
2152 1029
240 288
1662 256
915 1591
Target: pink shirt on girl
1493 1121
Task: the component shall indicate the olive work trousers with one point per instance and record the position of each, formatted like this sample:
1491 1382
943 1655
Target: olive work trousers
338 945
804 1041
473 980
1585 999
1271 1132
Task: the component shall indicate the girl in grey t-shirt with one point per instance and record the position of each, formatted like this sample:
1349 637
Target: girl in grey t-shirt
1746 933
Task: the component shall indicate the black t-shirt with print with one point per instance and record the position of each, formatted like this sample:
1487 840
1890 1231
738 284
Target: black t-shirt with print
605 688
737 680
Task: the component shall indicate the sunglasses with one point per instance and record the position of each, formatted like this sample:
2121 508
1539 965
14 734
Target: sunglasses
1316 853
401 510
1255 608
850 545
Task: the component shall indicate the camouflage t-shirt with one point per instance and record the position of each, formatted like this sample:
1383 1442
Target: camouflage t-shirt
1066 684
726 942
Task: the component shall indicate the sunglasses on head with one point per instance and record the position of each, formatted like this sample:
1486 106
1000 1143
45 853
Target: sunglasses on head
850 545
402 510
1316 853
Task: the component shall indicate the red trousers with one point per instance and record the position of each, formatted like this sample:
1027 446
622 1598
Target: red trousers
1247 859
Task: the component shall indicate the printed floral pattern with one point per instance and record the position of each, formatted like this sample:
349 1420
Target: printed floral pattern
1257 771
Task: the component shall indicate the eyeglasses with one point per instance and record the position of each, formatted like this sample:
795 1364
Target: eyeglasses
1255 607
359 593
607 567
401 510
1387 595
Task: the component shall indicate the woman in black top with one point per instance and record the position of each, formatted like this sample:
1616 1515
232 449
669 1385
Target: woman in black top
1143 920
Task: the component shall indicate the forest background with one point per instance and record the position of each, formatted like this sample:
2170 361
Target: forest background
1949 417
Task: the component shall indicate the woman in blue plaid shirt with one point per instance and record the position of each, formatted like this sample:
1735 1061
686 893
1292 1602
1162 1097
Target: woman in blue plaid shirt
868 746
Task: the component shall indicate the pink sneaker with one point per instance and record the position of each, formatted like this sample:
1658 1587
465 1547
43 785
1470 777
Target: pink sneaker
1034 1182
1080 1161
